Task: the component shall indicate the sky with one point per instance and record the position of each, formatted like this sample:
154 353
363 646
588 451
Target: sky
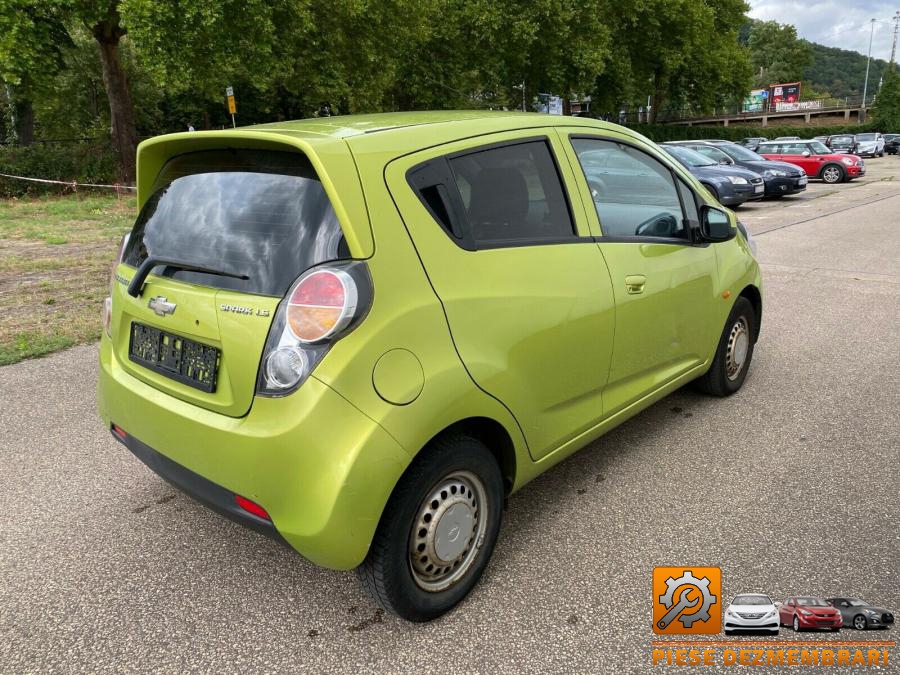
845 23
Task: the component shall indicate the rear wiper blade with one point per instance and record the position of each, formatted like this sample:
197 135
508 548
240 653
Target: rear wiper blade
136 287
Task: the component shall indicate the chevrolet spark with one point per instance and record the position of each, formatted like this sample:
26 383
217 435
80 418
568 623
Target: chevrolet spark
358 335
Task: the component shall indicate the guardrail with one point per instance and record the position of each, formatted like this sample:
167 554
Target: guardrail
688 113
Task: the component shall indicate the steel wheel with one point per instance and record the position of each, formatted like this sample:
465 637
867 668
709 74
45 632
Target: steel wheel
448 531
832 174
736 349
859 622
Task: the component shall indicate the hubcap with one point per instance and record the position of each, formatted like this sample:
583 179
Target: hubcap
737 348
448 531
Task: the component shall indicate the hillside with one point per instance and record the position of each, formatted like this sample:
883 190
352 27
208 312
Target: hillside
841 72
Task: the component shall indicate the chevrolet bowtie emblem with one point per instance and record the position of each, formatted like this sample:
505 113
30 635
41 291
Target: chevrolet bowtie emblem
161 305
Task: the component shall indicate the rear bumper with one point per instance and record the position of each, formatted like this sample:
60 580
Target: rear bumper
202 489
321 468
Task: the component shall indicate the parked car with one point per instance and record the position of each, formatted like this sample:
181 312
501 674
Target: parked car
816 159
843 143
780 178
751 611
787 138
870 145
730 185
357 335
860 614
753 142
892 144
807 613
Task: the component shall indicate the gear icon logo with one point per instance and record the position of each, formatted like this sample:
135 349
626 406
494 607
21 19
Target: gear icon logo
687 600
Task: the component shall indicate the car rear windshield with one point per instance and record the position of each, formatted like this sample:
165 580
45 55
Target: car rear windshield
751 600
259 214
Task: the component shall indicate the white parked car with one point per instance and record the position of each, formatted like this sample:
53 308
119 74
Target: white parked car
751 611
871 145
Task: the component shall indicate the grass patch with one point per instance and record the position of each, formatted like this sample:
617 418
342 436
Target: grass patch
55 256
30 344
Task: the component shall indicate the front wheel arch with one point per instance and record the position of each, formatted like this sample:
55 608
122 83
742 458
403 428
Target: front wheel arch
755 297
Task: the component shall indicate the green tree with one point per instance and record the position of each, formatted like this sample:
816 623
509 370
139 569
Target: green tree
887 104
776 53
33 41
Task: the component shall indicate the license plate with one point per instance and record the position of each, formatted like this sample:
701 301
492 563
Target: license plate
802 181
759 188
183 360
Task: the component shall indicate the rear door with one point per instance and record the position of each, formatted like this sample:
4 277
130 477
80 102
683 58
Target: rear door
664 284
527 296
259 219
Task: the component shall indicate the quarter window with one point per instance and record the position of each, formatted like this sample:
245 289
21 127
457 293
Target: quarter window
512 194
635 194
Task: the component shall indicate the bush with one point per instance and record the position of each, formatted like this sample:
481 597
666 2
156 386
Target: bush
81 162
680 132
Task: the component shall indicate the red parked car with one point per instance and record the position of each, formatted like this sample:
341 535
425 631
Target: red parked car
816 159
808 613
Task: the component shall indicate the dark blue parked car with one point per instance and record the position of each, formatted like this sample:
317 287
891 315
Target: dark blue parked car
731 185
781 178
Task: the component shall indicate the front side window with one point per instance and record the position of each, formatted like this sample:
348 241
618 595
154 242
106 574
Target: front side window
635 194
512 194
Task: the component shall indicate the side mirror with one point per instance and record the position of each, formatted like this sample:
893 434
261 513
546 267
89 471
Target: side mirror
778 604
725 160
806 153
715 225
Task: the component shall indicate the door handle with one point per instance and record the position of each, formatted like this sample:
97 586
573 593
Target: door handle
634 283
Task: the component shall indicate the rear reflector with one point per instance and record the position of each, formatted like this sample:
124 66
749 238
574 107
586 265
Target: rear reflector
251 507
119 432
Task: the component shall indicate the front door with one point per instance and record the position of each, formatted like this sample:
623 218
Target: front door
527 296
664 284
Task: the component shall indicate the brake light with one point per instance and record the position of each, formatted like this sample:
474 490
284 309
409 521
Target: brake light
321 304
320 308
107 302
252 507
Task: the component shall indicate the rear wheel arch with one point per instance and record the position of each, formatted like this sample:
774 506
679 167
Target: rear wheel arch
755 297
494 436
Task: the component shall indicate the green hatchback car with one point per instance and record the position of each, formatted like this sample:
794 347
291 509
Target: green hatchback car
358 335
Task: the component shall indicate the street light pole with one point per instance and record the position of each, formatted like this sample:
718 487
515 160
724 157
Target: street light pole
868 61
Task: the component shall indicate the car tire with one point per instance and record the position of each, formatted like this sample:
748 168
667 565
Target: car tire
833 174
859 622
454 484
796 624
733 355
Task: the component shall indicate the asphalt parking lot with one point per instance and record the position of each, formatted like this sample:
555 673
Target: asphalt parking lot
791 487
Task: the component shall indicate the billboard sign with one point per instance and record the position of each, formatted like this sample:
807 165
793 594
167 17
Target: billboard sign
756 101
783 93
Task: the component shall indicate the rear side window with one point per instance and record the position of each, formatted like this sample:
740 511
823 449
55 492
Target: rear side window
512 194
635 194
256 213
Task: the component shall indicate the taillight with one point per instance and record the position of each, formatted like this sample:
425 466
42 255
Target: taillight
107 302
321 305
320 308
